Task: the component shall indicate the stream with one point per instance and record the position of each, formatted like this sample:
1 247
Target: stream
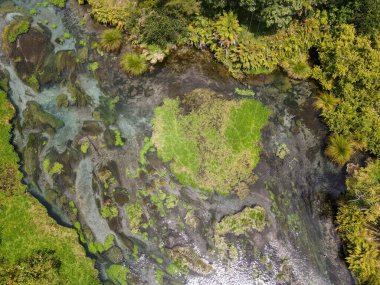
300 245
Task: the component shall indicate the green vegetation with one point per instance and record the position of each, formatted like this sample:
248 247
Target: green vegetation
111 40
243 222
118 274
118 139
282 151
213 147
244 92
33 82
59 3
134 213
34 249
349 73
148 145
15 29
96 247
93 66
358 222
109 212
57 168
339 149
84 147
134 64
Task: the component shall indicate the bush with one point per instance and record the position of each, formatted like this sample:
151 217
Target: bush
111 40
339 149
134 64
162 29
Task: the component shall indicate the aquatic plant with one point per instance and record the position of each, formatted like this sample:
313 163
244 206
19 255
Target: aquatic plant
59 3
134 214
339 149
33 82
93 66
118 274
109 211
244 92
118 139
57 168
96 247
230 132
79 96
111 40
62 101
84 147
134 64
243 222
15 29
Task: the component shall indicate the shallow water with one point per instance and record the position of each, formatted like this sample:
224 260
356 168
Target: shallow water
299 247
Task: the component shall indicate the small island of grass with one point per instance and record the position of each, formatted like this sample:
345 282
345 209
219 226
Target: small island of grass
211 143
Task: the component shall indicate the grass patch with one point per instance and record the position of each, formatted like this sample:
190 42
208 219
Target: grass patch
339 149
111 40
134 64
213 147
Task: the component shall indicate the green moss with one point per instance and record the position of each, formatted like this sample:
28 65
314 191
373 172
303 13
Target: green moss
243 222
62 101
96 247
59 3
46 165
53 26
118 139
148 144
84 147
213 147
282 151
244 92
109 212
15 29
172 269
118 274
67 35
159 275
57 168
134 213
33 82
93 66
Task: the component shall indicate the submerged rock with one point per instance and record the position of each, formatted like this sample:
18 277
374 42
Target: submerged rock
36 117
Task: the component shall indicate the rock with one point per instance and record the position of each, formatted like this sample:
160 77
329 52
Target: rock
33 56
36 117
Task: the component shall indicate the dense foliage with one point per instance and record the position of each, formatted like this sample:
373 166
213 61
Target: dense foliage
359 223
350 72
213 147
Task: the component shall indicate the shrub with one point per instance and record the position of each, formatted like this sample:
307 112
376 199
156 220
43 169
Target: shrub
134 64
326 102
162 29
339 149
111 40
